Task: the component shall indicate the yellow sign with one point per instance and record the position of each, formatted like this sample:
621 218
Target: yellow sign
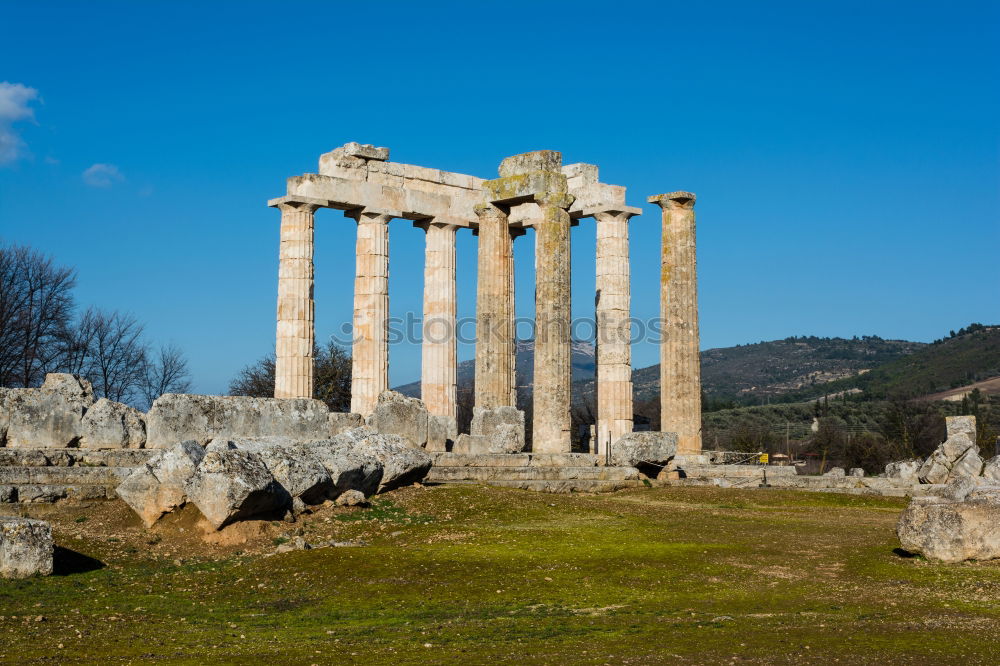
763 459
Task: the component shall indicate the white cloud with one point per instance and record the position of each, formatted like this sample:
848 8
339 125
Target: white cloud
15 101
102 175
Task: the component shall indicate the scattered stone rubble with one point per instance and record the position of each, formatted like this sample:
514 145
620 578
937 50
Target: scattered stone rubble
237 479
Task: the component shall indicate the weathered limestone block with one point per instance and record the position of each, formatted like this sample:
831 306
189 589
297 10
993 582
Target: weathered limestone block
903 469
471 445
112 425
232 485
959 489
26 547
948 531
343 421
961 424
8 494
835 472
401 464
969 464
292 464
441 430
46 417
636 449
536 160
957 456
503 426
350 463
177 417
396 414
159 486
856 472
991 470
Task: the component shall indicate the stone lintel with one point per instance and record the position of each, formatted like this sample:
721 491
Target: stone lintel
366 151
525 163
679 199
521 188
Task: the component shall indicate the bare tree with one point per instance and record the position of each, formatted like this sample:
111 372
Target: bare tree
107 348
164 372
36 305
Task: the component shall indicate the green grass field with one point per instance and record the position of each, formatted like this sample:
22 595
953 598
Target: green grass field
473 575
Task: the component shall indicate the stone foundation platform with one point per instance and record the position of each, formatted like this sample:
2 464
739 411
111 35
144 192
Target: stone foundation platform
48 475
554 472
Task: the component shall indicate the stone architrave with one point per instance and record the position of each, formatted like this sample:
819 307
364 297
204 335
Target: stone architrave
293 369
552 372
438 381
613 349
370 353
680 369
494 310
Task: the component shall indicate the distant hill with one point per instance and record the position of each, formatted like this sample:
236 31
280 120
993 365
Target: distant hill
744 374
582 359
969 356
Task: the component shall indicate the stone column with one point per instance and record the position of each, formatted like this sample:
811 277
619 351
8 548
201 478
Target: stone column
551 419
494 310
614 351
370 354
293 367
438 351
680 365
515 233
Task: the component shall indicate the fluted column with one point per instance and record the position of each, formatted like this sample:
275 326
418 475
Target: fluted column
515 233
614 351
293 368
438 350
494 310
370 353
551 419
680 369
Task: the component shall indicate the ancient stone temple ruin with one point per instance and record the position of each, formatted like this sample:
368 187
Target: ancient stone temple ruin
534 191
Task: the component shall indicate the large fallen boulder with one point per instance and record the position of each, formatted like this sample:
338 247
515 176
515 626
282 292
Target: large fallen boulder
176 417
46 417
159 486
441 432
112 425
352 465
292 464
401 464
959 526
231 484
958 456
991 470
397 414
905 470
645 450
502 426
342 421
26 547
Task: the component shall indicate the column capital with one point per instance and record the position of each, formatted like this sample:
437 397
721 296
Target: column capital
427 224
487 209
624 213
674 200
308 204
558 199
362 216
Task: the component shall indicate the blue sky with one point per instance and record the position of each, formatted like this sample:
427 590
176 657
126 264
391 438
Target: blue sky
844 154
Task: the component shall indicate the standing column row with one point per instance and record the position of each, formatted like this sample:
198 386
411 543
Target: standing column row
438 352
551 418
680 365
614 352
293 369
494 310
370 352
